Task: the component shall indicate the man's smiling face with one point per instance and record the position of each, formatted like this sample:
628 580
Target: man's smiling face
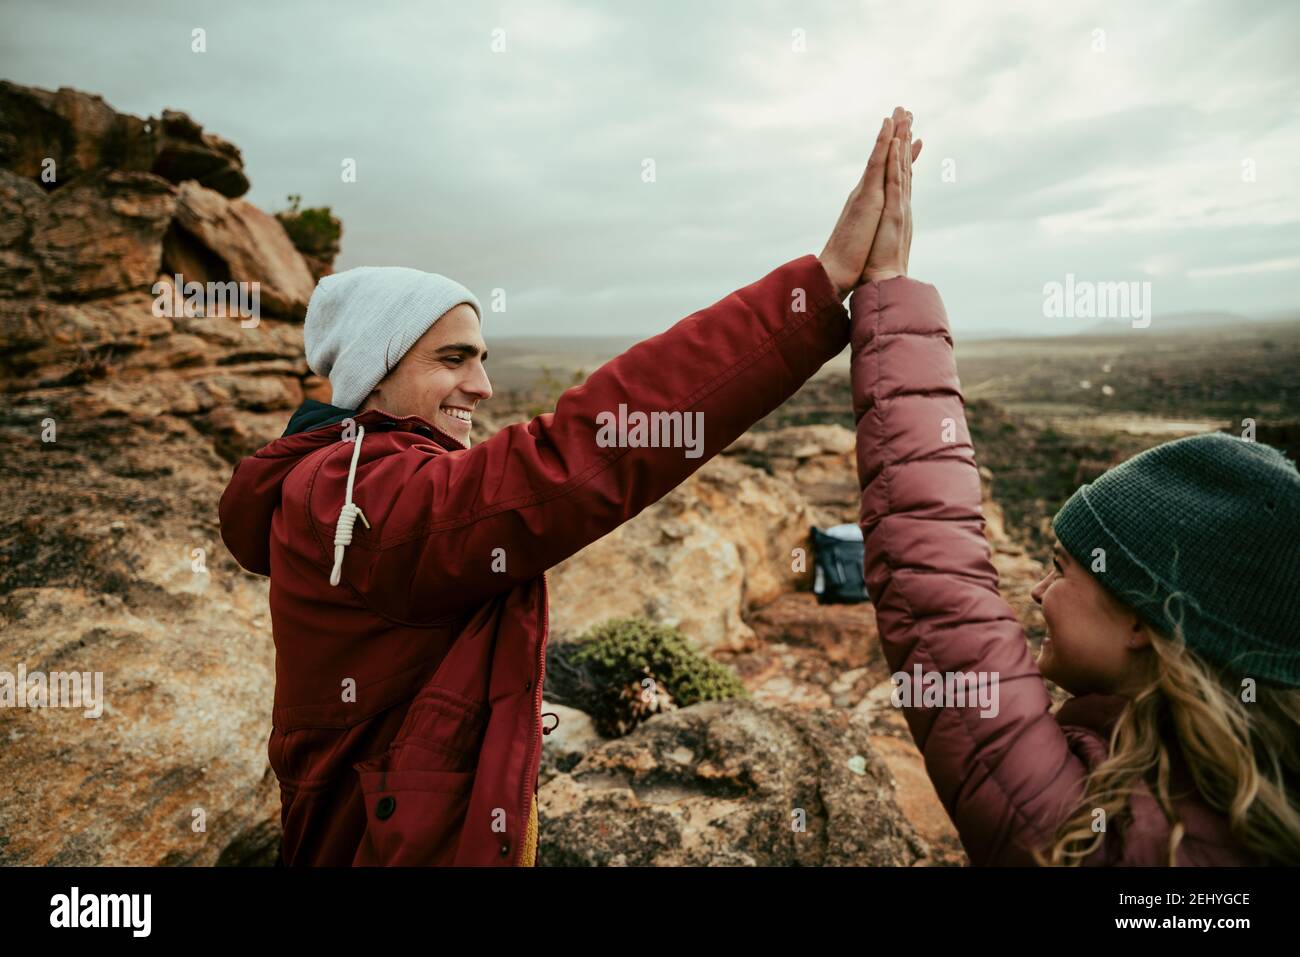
441 378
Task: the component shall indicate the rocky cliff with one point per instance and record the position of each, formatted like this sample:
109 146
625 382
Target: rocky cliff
119 429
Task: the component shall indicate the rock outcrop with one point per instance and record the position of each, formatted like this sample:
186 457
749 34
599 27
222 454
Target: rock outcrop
54 137
120 421
730 783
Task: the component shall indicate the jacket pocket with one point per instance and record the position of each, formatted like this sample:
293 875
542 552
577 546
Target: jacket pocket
413 818
416 793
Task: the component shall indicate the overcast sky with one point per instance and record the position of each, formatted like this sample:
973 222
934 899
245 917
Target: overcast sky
522 169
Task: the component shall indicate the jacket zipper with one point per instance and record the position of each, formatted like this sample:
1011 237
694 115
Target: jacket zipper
535 735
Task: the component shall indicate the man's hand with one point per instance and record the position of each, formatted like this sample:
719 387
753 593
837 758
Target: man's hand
846 253
893 242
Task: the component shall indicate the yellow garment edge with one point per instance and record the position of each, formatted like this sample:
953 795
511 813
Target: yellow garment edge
529 858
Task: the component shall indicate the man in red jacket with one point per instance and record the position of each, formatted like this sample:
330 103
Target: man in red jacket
408 592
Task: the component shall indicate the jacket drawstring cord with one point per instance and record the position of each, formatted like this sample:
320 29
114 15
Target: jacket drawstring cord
348 516
546 730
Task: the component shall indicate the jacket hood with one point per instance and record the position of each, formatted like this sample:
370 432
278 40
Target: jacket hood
253 493
312 415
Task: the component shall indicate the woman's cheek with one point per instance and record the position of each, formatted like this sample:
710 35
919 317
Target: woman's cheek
1051 604
1060 616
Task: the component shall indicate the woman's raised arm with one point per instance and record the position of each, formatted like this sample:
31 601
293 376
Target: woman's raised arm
998 759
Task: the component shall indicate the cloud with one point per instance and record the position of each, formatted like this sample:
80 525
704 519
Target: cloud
1280 264
1110 140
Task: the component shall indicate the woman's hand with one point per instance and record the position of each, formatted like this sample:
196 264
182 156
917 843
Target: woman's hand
845 257
893 242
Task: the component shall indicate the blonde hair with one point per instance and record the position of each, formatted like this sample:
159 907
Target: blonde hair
1244 757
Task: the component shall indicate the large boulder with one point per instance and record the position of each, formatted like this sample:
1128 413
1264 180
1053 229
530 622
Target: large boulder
182 151
720 543
215 239
731 783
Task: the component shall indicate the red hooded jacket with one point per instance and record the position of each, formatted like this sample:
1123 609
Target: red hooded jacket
406 722
1007 779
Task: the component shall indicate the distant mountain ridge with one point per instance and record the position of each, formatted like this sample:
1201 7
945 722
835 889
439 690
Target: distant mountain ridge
1168 322
1208 321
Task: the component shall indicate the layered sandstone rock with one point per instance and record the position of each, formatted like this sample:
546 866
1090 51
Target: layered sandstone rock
98 236
214 239
120 424
67 134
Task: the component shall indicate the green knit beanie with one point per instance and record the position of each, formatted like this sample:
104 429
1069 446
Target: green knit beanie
1204 530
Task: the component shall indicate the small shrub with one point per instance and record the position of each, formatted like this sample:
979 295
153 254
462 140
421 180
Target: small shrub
313 231
603 673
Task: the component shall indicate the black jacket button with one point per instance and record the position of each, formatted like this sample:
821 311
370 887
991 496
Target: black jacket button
505 849
385 807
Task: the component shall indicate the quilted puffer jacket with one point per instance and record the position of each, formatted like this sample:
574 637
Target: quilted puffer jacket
1006 779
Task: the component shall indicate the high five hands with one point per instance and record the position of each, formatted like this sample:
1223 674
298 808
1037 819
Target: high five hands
873 236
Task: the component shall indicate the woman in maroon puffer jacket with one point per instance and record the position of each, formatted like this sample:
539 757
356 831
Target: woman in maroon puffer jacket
1171 608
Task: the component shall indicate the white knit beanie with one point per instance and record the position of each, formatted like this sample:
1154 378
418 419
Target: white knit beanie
360 322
